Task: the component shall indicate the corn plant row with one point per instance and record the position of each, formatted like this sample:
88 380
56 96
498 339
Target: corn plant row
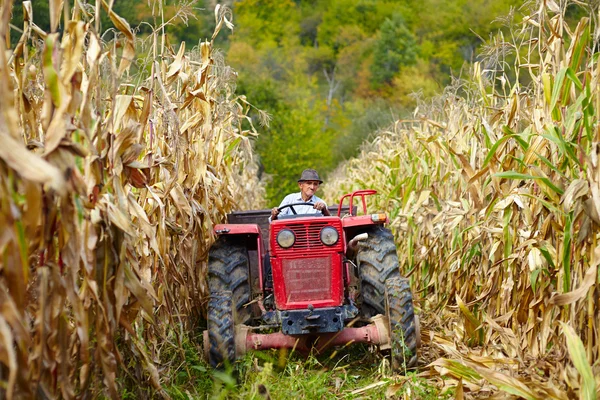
114 166
493 191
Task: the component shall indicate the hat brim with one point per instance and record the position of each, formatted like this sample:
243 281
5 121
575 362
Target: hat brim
304 180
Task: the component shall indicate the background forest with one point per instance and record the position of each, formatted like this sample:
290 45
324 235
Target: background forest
331 73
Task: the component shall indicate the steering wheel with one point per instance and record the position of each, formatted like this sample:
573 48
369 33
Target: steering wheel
296 204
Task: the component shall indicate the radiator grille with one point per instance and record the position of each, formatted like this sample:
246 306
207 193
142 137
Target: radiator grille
307 279
308 236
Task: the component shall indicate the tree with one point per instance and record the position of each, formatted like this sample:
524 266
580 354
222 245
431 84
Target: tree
394 48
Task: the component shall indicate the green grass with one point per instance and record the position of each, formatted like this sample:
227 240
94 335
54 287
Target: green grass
351 373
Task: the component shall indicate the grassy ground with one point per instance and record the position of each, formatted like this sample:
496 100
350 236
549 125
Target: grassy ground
350 373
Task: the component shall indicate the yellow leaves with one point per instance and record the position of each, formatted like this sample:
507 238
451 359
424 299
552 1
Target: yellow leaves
588 281
128 48
194 120
477 373
93 50
8 356
118 217
27 11
509 384
55 11
50 74
29 165
510 230
72 46
222 17
577 189
141 290
176 65
63 87
538 146
123 106
115 214
551 4
472 324
535 259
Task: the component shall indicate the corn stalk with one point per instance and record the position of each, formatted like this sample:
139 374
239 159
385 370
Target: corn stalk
113 170
493 190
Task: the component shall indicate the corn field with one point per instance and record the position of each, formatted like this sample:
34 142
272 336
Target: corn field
493 190
117 155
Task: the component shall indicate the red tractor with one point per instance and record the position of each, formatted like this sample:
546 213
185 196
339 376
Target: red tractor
319 281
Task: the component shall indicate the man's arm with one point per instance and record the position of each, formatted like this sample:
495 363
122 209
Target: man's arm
322 206
274 213
275 210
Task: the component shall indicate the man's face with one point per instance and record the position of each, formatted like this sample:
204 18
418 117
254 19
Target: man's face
308 188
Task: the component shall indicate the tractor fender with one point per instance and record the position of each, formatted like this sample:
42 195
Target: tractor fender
251 236
237 229
365 220
249 233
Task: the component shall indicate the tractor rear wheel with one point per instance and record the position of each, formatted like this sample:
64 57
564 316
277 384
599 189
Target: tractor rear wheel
228 270
221 330
377 262
402 324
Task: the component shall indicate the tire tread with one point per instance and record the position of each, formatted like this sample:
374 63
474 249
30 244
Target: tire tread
401 315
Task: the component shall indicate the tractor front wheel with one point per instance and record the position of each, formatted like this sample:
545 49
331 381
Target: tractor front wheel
403 326
377 262
221 330
228 270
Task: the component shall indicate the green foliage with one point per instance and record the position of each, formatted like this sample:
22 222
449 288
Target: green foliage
350 373
264 23
345 373
371 117
196 23
41 17
294 141
395 47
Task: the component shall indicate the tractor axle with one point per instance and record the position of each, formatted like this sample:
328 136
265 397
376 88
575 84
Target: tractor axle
374 333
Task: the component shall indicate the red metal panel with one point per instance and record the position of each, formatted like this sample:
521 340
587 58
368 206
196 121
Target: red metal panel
307 231
233 229
309 272
300 281
362 220
307 279
259 249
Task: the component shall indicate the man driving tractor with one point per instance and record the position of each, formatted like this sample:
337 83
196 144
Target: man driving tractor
309 184
306 279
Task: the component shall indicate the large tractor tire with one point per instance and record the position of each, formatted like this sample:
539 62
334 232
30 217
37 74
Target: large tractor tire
377 262
221 330
228 271
402 324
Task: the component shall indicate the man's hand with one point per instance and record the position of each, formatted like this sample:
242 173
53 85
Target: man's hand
274 213
319 205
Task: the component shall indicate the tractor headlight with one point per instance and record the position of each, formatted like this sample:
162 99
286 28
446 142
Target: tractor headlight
329 236
286 238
